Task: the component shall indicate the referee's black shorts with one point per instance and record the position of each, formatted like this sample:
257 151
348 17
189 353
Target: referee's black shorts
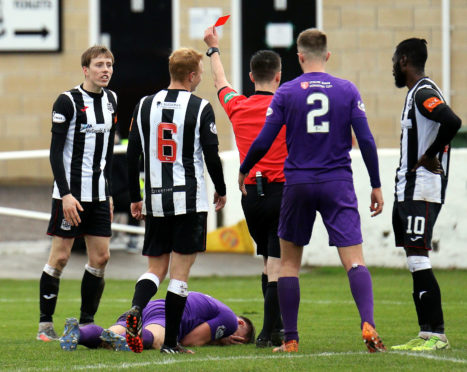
262 216
184 234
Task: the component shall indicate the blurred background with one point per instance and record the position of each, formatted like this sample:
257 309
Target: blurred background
41 42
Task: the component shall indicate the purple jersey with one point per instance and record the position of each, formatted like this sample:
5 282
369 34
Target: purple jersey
318 109
199 308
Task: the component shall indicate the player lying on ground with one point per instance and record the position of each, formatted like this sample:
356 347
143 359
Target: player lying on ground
205 321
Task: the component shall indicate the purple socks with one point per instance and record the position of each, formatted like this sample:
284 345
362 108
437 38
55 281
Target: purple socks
362 292
288 289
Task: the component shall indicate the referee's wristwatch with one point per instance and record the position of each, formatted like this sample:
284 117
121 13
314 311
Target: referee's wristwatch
212 50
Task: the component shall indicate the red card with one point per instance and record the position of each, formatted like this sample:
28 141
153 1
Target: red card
221 21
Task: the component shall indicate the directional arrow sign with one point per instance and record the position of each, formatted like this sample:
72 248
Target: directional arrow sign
30 25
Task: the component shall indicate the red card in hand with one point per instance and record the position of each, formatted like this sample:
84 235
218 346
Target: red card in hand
221 21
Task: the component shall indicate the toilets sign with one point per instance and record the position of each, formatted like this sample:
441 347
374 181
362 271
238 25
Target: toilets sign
30 25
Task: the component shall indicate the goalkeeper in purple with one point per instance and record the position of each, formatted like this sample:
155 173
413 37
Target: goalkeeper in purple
205 321
319 111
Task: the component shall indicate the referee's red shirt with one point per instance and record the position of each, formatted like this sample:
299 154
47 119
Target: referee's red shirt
247 116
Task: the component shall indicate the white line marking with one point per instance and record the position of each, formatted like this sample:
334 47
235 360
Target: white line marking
174 360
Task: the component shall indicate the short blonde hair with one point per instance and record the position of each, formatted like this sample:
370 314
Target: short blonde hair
312 42
182 62
93 52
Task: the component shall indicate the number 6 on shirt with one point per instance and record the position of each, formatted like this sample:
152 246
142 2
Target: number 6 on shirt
166 145
312 127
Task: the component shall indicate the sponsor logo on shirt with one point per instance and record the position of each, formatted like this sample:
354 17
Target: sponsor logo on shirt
269 111
58 118
65 225
110 107
220 332
361 105
416 238
304 84
168 105
213 127
431 103
94 128
229 96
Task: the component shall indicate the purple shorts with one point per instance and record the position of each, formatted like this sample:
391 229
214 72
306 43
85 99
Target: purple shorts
154 313
334 200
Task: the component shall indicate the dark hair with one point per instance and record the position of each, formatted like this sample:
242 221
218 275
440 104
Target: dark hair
415 50
251 334
94 52
264 65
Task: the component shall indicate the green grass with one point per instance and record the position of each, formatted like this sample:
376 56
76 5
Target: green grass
328 323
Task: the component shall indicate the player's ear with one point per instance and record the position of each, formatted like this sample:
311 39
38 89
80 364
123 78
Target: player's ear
251 77
241 322
328 54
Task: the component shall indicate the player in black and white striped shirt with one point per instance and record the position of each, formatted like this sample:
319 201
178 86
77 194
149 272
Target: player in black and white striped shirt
83 125
428 126
173 129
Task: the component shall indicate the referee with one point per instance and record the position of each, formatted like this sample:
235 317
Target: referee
173 129
83 125
264 184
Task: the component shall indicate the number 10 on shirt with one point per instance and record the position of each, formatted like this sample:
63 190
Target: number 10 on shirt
166 145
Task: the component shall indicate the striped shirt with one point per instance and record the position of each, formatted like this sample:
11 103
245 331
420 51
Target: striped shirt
88 121
172 128
419 131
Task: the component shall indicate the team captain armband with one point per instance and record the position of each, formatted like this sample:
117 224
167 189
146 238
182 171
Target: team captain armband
431 103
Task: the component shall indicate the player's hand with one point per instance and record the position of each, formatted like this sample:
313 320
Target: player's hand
71 206
219 201
232 340
430 164
241 182
377 201
136 210
211 38
111 207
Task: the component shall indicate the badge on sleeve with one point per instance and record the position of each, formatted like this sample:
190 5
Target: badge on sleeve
58 118
431 103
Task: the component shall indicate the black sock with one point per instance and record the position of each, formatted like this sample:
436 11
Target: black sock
271 311
48 293
427 289
174 307
92 288
144 290
264 283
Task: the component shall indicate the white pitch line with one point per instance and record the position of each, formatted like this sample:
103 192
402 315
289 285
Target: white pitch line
305 301
172 360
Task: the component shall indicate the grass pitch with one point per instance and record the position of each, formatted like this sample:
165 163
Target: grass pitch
329 329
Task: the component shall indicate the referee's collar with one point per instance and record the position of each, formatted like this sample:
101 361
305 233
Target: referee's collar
264 93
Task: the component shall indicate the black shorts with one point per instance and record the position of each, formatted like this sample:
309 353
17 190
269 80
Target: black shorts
184 234
262 217
95 220
413 222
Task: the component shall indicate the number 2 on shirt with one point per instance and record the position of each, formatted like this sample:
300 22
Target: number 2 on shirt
312 127
166 145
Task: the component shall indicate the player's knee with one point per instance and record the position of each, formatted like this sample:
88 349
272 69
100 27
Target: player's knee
60 260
